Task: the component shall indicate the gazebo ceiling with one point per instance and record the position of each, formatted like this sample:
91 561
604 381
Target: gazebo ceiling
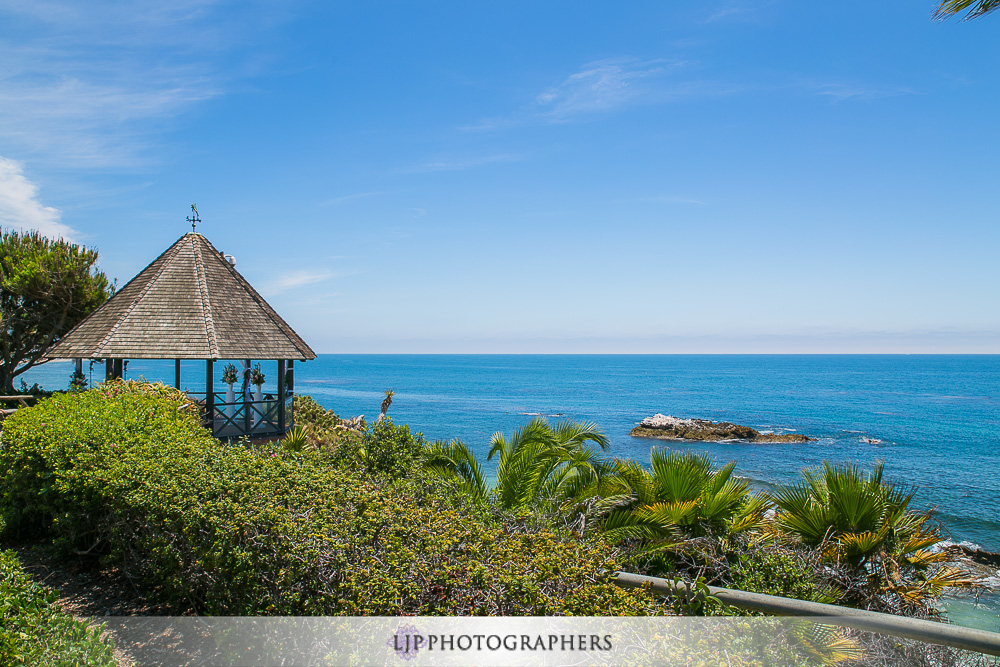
190 303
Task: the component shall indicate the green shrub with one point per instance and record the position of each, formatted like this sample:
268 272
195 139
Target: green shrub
221 529
776 570
392 449
34 631
318 424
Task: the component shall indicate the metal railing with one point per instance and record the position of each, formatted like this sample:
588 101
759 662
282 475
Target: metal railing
929 632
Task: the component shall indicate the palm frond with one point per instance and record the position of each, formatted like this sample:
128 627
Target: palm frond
679 477
455 459
976 8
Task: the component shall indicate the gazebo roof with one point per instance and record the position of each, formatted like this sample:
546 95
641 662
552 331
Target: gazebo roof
189 303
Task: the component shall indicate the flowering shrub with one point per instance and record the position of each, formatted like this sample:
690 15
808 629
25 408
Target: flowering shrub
127 472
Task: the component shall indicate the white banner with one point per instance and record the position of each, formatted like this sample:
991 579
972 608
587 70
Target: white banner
413 641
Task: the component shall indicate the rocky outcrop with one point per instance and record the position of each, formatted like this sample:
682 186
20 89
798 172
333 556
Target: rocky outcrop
665 427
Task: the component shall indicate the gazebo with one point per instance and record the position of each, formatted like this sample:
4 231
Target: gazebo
191 303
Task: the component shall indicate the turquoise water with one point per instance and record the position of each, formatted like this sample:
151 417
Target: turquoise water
934 420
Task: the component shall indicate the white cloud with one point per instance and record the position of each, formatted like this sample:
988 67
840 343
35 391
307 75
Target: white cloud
19 205
95 85
841 91
296 279
602 86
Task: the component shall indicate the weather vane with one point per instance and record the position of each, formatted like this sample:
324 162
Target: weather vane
194 219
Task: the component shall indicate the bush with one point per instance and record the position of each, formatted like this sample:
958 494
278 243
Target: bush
323 429
777 570
392 449
128 473
33 630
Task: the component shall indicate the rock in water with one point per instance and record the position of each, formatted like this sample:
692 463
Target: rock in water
665 427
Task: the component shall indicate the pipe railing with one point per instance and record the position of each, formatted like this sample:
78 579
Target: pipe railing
929 632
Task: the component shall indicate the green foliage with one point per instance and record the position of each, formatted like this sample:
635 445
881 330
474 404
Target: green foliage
46 288
224 529
295 440
388 448
863 524
539 465
324 430
776 570
683 496
455 460
692 598
541 462
35 632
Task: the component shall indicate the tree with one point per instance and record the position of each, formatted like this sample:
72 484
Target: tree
539 463
386 402
46 288
683 495
976 8
864 525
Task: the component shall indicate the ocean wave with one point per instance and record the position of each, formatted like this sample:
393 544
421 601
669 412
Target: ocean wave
944 544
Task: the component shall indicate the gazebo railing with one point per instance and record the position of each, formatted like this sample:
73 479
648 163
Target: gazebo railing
244 418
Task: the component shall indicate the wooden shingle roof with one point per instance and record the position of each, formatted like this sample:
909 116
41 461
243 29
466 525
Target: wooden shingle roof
190 303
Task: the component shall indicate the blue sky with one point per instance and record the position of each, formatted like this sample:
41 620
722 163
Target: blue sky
725 176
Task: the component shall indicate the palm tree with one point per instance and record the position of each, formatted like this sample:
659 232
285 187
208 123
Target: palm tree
455 460
976 8
539 463
389 393
683 496
864 523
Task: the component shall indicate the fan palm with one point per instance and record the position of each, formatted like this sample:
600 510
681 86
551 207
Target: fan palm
843 507
864 522
683 495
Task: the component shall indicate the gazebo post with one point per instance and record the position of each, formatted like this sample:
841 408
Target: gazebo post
209 394
246 401
281 395
177 373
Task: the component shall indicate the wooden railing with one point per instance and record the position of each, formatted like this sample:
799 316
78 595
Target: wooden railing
246 418
21 399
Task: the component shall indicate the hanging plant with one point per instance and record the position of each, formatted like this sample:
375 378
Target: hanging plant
229 375
256 376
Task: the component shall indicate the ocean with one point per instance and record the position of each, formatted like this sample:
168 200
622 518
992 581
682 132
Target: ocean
934 420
